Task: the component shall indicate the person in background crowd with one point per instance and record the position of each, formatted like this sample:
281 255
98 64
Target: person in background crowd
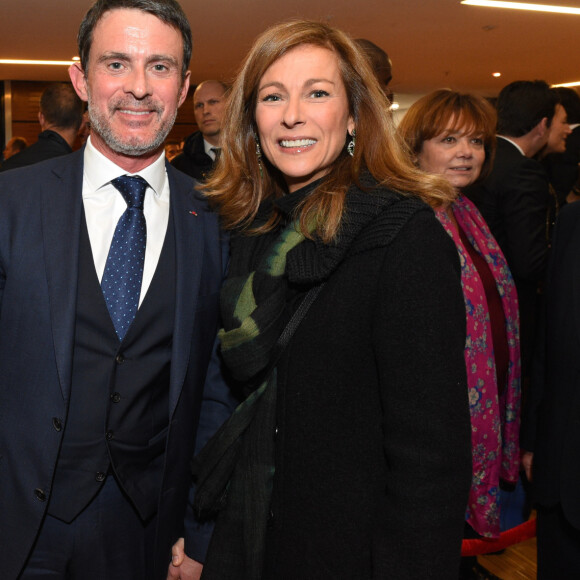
172 149
202 148
514 198
556 144
60 116
110 271
563 165
84 130
453 135
350 456
550 436
14 145
380 63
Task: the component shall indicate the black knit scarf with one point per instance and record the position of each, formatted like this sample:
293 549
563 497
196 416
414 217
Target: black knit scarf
234 472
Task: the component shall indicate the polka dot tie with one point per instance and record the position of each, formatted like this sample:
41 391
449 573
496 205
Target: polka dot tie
121 283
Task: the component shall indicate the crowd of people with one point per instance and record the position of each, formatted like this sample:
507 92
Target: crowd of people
296 345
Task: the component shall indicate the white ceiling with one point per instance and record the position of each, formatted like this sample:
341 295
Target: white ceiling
432 43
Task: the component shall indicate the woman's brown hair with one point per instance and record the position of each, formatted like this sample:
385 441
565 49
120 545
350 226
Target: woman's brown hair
240 183
446 111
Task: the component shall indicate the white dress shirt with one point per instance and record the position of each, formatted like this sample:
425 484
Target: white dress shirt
104 205
209 149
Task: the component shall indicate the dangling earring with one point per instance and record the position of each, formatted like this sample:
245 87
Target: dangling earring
259 155
351 143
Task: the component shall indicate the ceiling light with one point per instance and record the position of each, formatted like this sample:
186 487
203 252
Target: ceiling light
523 6
41 62
576 84
496 75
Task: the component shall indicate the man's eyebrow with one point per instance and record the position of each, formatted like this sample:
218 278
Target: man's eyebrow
113 56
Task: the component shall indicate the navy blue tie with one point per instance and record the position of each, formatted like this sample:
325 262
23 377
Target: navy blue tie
121 283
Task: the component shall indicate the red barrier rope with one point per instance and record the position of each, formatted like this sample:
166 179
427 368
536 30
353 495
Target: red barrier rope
510 537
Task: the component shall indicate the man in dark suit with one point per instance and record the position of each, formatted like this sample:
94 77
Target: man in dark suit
551 427
60 116
514 198
110 271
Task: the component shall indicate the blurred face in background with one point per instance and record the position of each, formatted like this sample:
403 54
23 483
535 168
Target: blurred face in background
302 114
209 102
558 132
455 154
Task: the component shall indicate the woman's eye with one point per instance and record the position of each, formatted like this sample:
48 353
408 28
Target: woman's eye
271 98
448 139
319 94
477 141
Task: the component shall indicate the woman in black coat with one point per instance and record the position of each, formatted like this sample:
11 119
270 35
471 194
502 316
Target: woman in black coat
350 457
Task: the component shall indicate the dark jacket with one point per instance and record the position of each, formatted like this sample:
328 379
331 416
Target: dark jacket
514 202
373 454
551 426
50 144
194 160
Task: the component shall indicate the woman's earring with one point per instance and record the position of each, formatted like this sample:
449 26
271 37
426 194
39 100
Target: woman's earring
259 155
351 143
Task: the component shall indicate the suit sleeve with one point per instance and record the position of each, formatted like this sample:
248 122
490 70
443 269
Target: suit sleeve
524 207
217 405
419 338
567 223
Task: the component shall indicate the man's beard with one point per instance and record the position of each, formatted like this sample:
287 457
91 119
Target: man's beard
132 147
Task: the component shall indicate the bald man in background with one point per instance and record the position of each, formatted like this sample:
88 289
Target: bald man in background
202 148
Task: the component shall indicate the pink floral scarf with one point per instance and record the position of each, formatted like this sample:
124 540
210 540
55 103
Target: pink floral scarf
494 420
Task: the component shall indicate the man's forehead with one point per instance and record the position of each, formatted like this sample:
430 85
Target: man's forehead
133 24
208 91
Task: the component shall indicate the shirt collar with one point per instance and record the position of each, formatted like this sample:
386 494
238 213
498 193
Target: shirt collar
514 144
208 149
99 171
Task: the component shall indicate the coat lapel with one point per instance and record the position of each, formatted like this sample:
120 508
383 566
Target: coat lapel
187 214
61 196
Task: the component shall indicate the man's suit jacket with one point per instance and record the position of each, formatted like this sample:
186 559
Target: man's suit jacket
194 161
50 144
514 200
551 427
40 217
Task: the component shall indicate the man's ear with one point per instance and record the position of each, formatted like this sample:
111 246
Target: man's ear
78 80
542 127
184 88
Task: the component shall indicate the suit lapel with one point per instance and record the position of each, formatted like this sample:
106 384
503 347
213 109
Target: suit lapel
61 196
187 214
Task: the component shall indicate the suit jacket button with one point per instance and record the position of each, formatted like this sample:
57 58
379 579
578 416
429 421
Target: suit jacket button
109 435
120 359
100 476
57 424
40 495
115 397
